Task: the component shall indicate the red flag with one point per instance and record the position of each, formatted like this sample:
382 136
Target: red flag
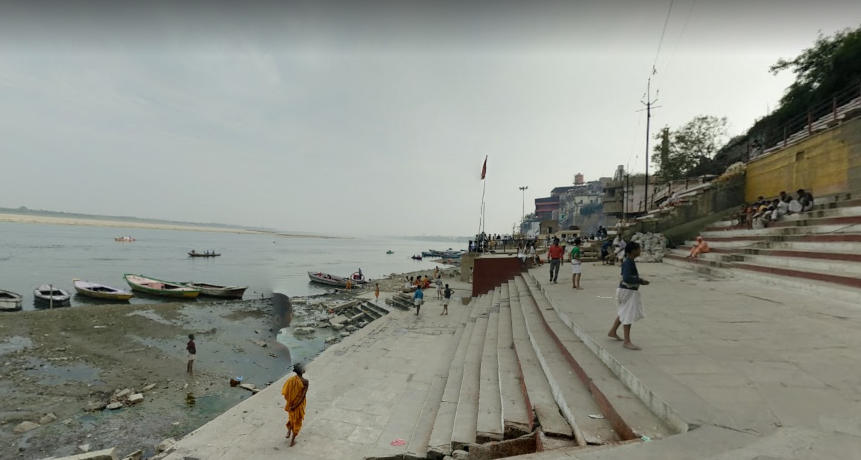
484 168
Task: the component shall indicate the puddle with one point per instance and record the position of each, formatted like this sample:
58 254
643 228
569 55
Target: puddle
51 374
16 343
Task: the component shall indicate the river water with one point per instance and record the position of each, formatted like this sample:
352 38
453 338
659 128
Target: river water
34 254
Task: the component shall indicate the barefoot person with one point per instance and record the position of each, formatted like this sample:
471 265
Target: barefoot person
295 390
628 303
576 264
192 354
418 299
377 292
445 300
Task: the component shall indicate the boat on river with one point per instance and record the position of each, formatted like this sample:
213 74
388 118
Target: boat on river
203 254
48 295
10 301
101 291
159 287
215 290
124 239
416 257
331 280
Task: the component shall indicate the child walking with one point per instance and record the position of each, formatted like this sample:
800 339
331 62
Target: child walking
445 300
628 304
418 299
576 265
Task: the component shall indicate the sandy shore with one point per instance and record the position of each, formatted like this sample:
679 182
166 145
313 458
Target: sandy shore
77 222
62 361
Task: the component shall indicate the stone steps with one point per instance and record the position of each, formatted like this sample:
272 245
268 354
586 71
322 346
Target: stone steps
466 415
538 395
572 397
516 414
621 408
439 444
420 439
489 425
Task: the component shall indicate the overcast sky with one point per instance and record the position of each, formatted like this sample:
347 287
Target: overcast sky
368 119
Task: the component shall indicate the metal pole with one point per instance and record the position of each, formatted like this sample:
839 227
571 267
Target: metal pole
51 299
522 208
648 130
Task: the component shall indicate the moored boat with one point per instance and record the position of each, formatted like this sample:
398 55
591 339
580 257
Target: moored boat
214 290
331 280
416 257
51 296
100 291
155 286
10 301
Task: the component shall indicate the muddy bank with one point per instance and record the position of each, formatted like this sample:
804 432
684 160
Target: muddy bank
63 361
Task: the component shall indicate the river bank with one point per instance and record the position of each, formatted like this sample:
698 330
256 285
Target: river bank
124 224
66 361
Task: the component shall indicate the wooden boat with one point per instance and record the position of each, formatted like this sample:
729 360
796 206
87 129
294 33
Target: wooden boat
203 254
10 301
331 280
154 286
100 291
214 290
358 278
390 252
125 239
56 297
416 257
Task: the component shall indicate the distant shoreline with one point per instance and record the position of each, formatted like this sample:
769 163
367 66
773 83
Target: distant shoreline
80 222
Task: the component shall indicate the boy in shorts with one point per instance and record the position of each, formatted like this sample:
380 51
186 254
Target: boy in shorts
445 300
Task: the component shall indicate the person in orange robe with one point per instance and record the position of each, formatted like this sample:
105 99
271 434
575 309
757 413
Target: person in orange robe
294 390
701 247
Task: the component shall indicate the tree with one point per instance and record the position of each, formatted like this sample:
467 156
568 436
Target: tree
831 64
691 144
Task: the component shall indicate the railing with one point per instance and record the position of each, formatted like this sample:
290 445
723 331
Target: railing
842 106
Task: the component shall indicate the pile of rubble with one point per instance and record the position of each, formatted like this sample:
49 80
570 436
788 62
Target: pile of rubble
654 246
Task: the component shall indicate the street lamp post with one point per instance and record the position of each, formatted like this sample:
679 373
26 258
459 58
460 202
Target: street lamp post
523 207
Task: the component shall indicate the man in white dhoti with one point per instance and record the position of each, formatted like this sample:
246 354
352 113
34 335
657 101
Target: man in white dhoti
629 307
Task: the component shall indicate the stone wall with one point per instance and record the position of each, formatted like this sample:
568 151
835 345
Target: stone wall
826 163
687 221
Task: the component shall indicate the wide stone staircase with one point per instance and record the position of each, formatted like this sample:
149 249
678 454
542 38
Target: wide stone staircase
817 251
516 379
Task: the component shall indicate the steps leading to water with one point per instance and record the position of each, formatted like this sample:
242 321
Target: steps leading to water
518 364
489 425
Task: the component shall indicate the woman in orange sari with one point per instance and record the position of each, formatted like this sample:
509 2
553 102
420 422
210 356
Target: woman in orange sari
294 390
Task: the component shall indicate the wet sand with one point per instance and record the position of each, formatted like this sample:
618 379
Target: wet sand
60 361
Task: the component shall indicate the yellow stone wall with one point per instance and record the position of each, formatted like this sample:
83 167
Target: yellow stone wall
823 164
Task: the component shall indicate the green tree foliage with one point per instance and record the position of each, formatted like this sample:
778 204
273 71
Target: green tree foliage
690 145
830 66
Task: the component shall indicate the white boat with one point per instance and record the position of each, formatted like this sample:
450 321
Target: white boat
325 278
100 291
48 296
10 301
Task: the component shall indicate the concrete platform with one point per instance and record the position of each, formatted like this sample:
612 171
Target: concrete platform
775 367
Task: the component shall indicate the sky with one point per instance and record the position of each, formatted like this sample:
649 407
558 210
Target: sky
367 118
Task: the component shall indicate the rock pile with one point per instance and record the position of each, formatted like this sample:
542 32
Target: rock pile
654 246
